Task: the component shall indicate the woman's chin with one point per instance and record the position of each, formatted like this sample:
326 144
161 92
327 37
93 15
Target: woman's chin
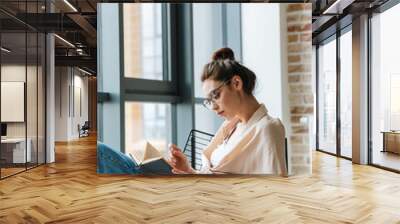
226 117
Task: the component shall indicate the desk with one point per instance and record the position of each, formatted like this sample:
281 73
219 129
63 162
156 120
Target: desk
13 150
391 141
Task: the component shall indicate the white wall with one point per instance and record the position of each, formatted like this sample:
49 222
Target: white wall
266 54
33 125
12 73
262 53
67 114
207 36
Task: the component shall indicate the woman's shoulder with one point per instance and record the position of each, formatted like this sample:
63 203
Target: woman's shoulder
268 123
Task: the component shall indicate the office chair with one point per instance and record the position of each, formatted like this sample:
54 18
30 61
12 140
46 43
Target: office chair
84 130
195 143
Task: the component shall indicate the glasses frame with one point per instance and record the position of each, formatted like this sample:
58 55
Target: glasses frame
210 101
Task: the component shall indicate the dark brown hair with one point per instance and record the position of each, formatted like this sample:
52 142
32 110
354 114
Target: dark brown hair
224 66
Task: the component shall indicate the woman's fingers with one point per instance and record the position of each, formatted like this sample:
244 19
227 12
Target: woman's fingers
176 171
178 154
178 160
173 146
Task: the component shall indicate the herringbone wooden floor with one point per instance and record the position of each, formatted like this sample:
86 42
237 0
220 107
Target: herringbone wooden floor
70 191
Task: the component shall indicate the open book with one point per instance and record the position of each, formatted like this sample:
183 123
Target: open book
149 159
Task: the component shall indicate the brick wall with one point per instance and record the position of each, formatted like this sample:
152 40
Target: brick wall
301 97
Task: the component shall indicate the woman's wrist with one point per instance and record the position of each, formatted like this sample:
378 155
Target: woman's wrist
192 171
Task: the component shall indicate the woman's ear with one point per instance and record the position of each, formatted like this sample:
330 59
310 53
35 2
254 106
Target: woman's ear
237 82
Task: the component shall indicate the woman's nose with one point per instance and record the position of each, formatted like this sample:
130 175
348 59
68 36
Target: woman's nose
214 106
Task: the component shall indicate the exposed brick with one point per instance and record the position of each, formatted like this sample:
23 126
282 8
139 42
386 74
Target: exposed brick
301 169
295 119
302 109
296 47
300 88
294 78
305 78
294 58
309 99
300 129
296 7
293 38
296 100
299 68
298 159
306 58
306 18
305 37
299 28
299 148
301 97
295 140
293 18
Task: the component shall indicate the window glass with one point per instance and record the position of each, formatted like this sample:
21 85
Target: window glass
385 89
207 38
143 41
147 122
346 94
327 97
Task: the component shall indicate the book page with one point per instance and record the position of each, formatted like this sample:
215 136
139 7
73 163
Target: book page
138 151
144 151
150 152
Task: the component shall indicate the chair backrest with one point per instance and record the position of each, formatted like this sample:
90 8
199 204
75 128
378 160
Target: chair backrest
286 156
86 125
195 143
111 161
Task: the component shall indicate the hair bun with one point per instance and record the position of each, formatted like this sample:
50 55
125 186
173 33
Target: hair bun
223 53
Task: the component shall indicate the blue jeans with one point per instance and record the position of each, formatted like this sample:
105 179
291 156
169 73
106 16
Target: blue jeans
111 161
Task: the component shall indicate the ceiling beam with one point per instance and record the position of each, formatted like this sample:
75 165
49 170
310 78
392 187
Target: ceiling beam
86 27
84 61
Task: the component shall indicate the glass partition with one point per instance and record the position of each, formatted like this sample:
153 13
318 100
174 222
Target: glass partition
41 111
23 91
13 105
346 94
327 97
31 100
385 89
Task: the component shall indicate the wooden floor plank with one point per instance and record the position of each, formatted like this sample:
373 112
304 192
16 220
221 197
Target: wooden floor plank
70 191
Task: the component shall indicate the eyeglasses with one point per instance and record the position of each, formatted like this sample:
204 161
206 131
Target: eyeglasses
214 95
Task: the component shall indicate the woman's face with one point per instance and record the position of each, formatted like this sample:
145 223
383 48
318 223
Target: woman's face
225 97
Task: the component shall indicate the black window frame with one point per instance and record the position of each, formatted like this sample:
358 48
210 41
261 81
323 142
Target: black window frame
332 34
341 24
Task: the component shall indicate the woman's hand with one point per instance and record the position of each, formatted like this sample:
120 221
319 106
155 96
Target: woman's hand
179 161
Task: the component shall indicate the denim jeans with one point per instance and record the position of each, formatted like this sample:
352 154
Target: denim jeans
111 161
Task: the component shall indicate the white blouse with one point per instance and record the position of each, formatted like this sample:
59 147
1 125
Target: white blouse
257 147
226 147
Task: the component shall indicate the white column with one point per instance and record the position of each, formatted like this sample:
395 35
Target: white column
50 99
360 90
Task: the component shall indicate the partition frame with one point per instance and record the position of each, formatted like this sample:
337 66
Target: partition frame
44 75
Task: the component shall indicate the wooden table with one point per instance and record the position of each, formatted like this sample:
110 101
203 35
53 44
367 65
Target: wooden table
391 141
13 150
